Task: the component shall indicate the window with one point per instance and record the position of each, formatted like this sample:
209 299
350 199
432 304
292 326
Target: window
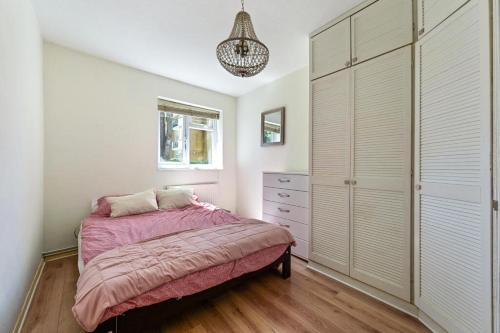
188 136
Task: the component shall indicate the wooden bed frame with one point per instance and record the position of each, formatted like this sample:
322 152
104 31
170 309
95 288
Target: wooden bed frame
153 316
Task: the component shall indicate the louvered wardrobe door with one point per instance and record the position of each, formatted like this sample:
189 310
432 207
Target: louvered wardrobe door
331 49
433 12
329 170
453 206
381 167
381 27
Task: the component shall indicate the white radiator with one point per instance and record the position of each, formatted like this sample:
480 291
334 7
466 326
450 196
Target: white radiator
207 192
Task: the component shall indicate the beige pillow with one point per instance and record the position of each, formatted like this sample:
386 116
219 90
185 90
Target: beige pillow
175 198
133 204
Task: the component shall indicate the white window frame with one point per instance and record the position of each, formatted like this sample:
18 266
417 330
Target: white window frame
217 152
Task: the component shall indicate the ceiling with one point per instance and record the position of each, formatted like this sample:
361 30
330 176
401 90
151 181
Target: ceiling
177 38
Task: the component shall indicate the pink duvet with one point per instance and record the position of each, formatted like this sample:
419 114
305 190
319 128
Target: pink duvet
129 271
101 234
199 281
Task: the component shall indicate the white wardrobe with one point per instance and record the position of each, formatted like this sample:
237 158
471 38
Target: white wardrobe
400 157
361 148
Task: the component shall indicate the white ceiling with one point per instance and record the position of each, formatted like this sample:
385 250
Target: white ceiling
177 38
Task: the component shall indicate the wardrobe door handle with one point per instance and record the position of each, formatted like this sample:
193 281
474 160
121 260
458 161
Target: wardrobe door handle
355 59
354 182
284 210
347 63
347 182
283 180
283 195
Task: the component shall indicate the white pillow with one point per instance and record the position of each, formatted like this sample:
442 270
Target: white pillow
175 198
133 204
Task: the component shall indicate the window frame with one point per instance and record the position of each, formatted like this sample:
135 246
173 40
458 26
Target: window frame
217 151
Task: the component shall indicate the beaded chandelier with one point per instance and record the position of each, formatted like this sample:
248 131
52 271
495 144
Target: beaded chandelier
242 54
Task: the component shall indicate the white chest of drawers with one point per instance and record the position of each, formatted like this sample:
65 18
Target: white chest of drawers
286 202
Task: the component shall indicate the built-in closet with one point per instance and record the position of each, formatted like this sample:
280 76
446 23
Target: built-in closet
400 157
361 147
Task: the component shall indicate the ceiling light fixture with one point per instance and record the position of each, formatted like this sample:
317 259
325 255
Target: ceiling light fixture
242 54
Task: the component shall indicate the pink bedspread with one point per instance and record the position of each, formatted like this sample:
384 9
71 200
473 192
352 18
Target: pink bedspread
199 281
101 234
129 271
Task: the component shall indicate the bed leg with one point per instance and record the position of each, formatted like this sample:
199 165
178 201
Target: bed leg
109 326
286 268
114 326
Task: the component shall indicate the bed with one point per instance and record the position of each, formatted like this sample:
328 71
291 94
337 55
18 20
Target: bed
136 264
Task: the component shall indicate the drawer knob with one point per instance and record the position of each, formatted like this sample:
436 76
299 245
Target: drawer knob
284 210
284 195
283 180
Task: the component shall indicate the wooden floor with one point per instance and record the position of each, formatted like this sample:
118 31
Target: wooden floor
307 302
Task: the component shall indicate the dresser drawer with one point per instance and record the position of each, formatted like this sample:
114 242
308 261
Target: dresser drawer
291 197
298 230
292 182
301 249
289 212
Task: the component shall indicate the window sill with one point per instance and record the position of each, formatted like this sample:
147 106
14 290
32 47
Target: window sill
188 168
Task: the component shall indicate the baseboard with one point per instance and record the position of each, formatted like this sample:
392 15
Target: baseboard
23 312
59 254
382 296
430 323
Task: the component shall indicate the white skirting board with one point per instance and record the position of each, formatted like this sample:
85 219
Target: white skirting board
23 312
382 296
431 324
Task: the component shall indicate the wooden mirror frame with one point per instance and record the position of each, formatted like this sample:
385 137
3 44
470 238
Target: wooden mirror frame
282 134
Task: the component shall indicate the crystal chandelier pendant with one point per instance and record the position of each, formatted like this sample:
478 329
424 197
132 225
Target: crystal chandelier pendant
242 54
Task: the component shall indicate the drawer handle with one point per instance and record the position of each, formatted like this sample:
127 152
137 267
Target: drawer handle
283 180
283 195
284 225
284 210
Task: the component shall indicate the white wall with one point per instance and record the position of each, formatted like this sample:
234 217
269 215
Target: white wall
291 91
101 125
21 154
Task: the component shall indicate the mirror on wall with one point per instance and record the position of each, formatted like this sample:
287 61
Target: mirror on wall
273 127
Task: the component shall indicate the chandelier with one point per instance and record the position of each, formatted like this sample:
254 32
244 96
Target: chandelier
242 54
